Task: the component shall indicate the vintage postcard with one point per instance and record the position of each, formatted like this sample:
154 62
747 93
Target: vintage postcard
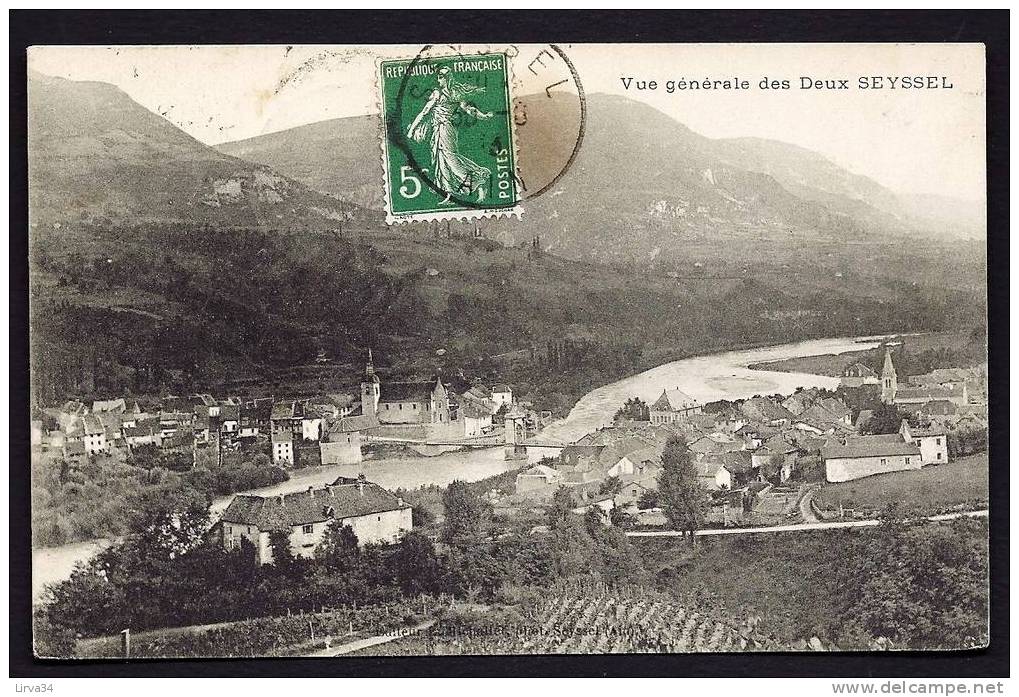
398 350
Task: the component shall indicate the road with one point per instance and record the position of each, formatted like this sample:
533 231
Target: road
357 645
799 527
806 510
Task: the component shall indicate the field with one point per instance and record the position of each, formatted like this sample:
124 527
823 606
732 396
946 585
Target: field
931 490
267 636
577 620
832 365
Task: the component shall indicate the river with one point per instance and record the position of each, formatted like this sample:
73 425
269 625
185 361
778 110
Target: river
706 378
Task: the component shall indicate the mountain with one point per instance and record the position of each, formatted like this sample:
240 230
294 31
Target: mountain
158 263
640 177
97 154
340 157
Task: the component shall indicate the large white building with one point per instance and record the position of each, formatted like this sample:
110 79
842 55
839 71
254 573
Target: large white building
374 514
672 406
861 456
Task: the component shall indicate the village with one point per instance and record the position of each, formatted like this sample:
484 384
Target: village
761 458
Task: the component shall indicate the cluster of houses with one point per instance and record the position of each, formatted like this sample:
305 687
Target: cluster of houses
763 439
330 429
959 387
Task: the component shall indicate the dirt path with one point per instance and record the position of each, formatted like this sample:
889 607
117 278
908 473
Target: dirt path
806 509
357 645
799 527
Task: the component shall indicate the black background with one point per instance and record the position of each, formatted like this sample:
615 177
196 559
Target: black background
422 27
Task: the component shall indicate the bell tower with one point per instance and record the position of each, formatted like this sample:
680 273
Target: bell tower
370 389
889 383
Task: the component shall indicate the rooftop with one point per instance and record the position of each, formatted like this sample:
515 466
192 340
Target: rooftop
868 446
345 498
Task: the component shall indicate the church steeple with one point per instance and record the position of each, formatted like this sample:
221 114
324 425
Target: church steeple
889 382
369 368
370 389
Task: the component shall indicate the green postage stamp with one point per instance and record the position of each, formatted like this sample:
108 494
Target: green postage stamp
447 145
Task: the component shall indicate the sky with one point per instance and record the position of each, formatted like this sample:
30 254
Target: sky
911 141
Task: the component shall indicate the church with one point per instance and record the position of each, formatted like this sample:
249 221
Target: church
405 403
891 393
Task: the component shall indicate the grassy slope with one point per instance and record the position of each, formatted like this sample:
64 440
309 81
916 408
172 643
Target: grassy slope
833 365
929 490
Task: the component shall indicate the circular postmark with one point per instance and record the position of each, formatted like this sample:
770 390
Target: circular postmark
484 128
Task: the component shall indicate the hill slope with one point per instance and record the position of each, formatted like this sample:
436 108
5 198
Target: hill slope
643 186
159 263
95 154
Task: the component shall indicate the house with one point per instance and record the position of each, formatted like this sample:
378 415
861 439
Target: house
839 409
751 435
172 421
818 419
206 403
632 491
957 394
735 469
344 403
637 463
931 440
502 395
858 375
672 406
93 435
861 456
480 396
146 432
580 463
342 442
229 419
109 406
538 478
705 446
374 514
283 448
604 504
766 411
298 417
477 419
775 459
946 377
863 418
798 402
70 413
256 418
939 407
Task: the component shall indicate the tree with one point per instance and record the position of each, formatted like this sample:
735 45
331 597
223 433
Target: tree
612 485
682 497
562 505
648 499
594 521
169 520
339 548
282 556
920 586
885 419
416 566
465 514
634 409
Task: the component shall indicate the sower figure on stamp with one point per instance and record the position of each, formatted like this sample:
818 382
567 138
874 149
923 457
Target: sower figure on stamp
452 171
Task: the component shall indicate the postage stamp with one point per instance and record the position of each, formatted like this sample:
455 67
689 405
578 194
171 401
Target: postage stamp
447 143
